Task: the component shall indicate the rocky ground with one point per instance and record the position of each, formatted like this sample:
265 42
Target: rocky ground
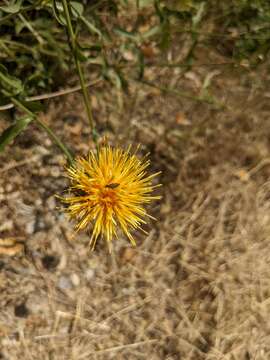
198 286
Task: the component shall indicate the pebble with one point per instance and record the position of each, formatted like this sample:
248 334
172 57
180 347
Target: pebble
38 202
55 171
64 283
51 203
89 274
9 188
128 291
41 150
30 227
48 142
75 279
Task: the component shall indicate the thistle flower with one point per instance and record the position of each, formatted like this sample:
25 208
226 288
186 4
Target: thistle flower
109 190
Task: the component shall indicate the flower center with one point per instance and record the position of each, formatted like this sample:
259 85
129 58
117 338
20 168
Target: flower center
107 197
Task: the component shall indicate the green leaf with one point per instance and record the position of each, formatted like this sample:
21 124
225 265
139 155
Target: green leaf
13 7
14 130
56 11
127 34
19 26
119 80
33 106
94 47
91 27
151 32
198 17
10 85
76 9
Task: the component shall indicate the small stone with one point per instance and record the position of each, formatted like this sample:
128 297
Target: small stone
9 187
64 283
48 142
38 202
128 291
55 171
89 274
30 227
41 150
160 129
128 55
181 119
75 279
51 203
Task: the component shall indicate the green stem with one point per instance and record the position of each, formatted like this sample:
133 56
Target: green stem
85 92
22 107
44 126
208 100
55 138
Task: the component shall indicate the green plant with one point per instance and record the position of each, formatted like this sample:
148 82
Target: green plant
42 42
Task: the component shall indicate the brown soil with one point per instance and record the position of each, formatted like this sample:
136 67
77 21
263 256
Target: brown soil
198 286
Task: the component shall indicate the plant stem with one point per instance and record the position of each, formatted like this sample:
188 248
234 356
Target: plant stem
56 139
44 126
86 96
208 100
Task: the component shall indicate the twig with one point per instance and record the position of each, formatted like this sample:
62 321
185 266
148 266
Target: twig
52 95
117 348
183 94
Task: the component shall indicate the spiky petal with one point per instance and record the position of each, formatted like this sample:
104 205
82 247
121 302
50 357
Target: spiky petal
109 190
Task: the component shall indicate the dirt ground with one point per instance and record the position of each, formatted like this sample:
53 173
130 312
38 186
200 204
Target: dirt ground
198 286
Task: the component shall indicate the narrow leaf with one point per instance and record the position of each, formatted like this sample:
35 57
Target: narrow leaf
10 85
33 106
91 27
76 8
127 34
14 130
56 9
12 8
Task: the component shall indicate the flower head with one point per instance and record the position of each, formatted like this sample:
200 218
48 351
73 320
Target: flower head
109 190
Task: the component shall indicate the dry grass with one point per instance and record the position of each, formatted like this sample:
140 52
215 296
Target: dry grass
198 287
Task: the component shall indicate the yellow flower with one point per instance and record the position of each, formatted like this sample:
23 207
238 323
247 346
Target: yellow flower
109 189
